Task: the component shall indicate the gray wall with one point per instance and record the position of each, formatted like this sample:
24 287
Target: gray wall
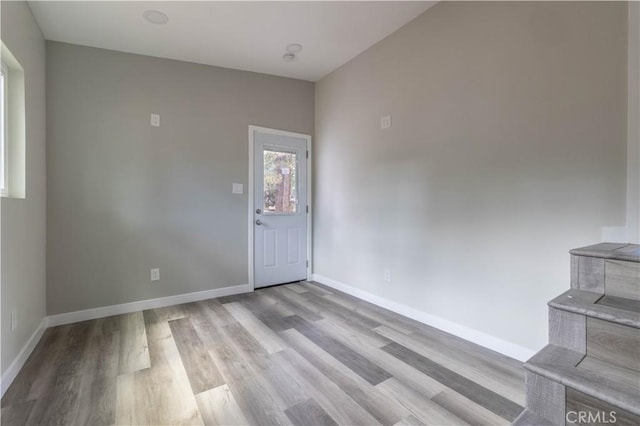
125 197
23 220
508 148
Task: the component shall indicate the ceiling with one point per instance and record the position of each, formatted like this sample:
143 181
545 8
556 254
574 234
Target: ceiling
242 35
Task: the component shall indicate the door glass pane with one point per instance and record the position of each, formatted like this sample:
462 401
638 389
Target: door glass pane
280 189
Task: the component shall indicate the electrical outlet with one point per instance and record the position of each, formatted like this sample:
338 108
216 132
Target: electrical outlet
14 320
155 120
155 274
387 275
385 122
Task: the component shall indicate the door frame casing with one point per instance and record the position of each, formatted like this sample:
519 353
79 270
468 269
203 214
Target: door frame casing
251 195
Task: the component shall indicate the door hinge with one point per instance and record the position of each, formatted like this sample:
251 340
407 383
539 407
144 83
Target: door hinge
307 209
307 263
307 154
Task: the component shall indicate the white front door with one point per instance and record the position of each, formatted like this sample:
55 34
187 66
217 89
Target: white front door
279 207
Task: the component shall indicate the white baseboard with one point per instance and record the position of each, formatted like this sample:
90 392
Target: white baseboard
488 341
125 308
21 358
507 348
107 311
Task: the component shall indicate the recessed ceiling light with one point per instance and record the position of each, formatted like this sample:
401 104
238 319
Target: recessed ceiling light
289 57
155 17
294 47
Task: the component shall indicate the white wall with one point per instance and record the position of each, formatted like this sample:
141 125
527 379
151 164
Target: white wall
508 148
23 220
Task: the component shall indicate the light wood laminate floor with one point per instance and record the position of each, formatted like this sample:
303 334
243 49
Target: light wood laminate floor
299 354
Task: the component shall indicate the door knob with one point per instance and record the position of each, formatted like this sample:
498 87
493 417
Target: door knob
258 222
258 211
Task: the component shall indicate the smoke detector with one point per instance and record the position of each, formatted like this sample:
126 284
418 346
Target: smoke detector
289 57
155 17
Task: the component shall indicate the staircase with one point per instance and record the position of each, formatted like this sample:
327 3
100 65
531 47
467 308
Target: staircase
589 373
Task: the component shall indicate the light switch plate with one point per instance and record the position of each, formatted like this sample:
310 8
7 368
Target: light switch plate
155 274
14 320
155 120
385 122
237 188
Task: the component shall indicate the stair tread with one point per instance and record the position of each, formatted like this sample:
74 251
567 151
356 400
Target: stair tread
620 303
627 252
529 418
589 304
562 365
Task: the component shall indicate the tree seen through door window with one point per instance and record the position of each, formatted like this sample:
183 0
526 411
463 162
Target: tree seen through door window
280 194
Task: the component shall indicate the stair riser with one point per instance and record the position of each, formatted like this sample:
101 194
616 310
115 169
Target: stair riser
610 342
587 273
568 330
545 397
622 279
611 277
582 409
613 343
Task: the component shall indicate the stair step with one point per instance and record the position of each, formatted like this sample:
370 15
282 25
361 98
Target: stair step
620 303
529 418
596 306
627 252
608 268
578 320
619 374
612 384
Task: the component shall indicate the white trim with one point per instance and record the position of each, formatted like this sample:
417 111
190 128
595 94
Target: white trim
251 203
106 311
4 111
250 207
633 124
488 341
17 364
310 204
141 305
